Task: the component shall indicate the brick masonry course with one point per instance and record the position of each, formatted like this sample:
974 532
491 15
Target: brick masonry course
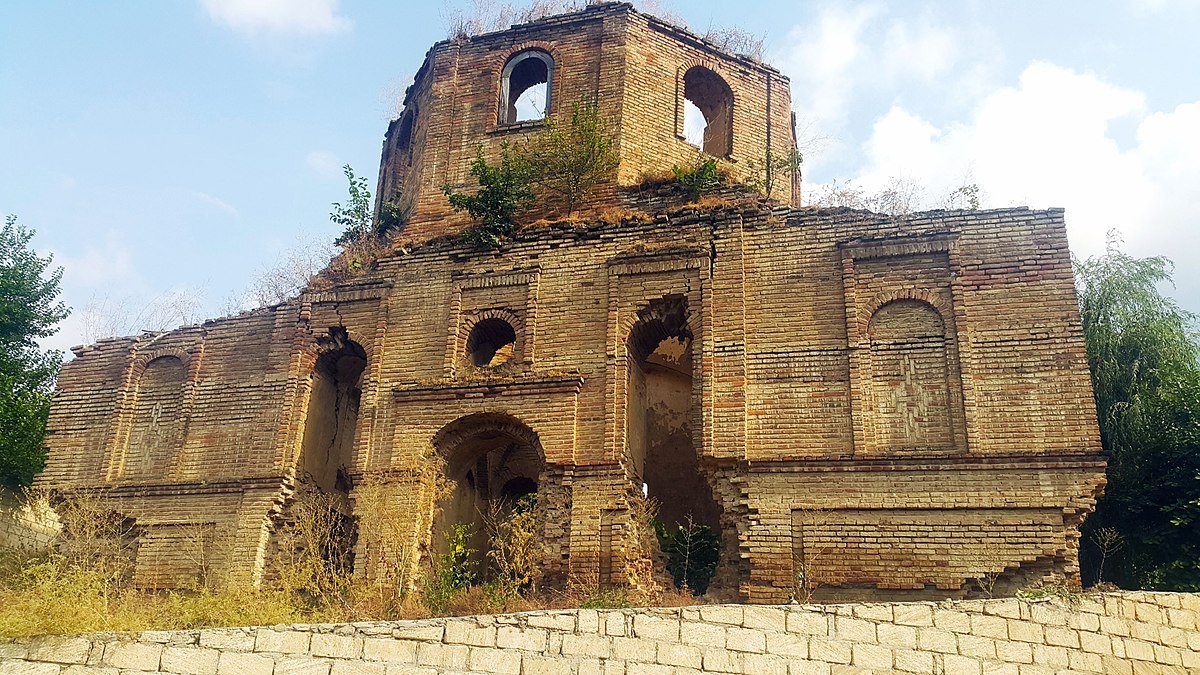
1084 634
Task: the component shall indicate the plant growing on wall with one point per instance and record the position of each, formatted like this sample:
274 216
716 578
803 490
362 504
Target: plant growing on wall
568 161
692 552
505 190
698 178
773 171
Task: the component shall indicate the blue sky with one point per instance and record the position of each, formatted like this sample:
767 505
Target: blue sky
175 150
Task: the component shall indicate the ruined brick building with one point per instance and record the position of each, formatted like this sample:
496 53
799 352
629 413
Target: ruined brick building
873 405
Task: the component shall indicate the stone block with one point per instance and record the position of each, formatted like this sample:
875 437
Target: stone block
684 656
962 665
389 650
721 660
227 640
731 615
60 649
745 640
443 657
764 664
528 639
302 665
955 622
787 645
904 637
854 630
468 632
872 657
545 665
336 646
425 632
491 660
240 663
808 623
1095 643
189 660
282 641
1014 652
656 628
764 618
910 661
994 627
830 651
913 614
635 649
702 634
1025 631
342 667
936 640
133 655
595 646
976 647
1051 656
878 612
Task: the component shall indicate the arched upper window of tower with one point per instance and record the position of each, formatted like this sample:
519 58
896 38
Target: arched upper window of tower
708 111
525 87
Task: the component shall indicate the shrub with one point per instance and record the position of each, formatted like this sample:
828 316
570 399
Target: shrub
451 572
505 190
569 160
692 554
698 178
767 176
514 547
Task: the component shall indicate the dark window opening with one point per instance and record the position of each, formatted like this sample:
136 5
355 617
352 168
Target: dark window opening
708 111
491 344
525 87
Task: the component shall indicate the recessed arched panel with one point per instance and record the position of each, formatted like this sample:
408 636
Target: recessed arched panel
158 426
911 375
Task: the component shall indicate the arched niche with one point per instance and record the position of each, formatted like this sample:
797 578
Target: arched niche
159 423
914 382
489 462
331 421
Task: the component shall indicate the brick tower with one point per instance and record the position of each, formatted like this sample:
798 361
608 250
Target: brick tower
639 72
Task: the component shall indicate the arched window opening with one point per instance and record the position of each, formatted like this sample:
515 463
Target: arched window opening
910 377
405 133
660 417
158 420
707 111
525 87
491 344
332 420
493 464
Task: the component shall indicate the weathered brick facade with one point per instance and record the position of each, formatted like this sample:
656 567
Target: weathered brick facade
864 405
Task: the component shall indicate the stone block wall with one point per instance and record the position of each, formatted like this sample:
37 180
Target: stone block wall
1119 633
26 524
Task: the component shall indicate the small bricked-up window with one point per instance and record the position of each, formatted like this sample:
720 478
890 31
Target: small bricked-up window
525 87
707 111
404 137
492 343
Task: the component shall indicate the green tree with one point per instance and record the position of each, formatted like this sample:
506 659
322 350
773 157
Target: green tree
29 309
505 191
569 160
1145 369
355 217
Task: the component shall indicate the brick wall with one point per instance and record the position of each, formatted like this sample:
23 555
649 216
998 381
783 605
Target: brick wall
1119 633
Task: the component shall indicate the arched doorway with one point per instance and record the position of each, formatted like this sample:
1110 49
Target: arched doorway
491 461
661 415
329 428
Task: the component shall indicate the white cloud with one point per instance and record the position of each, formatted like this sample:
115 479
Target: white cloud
1046 142
215 202
96 265
920 50
324 163
309 17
